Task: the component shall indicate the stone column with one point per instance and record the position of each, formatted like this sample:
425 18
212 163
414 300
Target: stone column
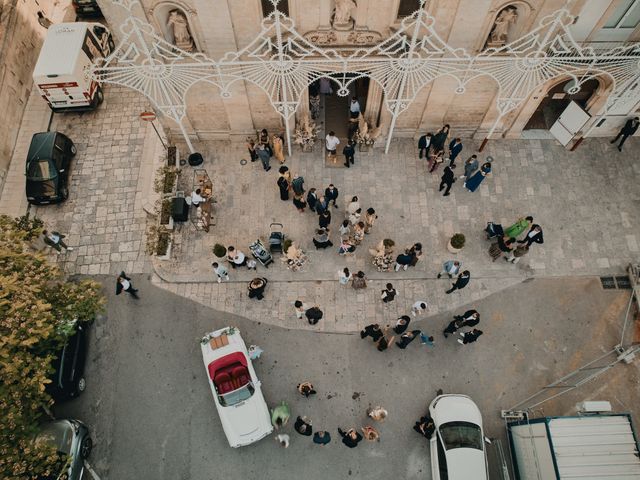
374 103
361 15
303 109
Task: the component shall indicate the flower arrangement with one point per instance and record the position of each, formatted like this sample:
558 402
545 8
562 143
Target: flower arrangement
306 133
210 335
363 135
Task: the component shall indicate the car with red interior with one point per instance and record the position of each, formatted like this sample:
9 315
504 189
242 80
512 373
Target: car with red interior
235 387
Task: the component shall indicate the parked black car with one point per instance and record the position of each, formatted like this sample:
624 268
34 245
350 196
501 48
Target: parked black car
47 168
87 8
70 438
68 380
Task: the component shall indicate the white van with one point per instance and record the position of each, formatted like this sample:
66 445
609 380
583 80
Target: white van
60 73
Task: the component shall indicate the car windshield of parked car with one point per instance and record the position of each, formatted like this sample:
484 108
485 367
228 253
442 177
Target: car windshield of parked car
237 396
461 435
40 170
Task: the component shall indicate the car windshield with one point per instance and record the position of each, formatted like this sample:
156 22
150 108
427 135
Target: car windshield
461 435
40 170
237 396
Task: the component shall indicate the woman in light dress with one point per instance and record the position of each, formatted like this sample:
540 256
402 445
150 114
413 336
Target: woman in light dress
278 148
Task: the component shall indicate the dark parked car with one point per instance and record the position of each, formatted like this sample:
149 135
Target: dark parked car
47 169
71 438
87 8
68 379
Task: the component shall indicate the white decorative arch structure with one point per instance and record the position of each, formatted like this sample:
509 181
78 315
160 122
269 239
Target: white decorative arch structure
283 63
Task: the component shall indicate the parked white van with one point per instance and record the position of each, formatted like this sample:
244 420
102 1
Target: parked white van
60 73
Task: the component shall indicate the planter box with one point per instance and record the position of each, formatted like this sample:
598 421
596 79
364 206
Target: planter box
167 255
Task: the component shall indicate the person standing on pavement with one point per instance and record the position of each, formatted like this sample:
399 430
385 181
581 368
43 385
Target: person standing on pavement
425 427
303 426
221 272
349 153
353 207
477 178
124 283
377 414
324 220
389 293
385 340
419 307
630 128
345 230
251 148
331 143
534 235
461 282
235 257
370 433
402 324
406 338
470 337
321 437
313 314
439 140
256 288
517 228
447 179
470 318
312 199
331 195
372 331
300 309
503 245
517 253
359 281
321 239
451 268
344 276
453 327
264 156
470 166
54 240
424 143
350 438
455 147
306 389
280 415
369 219
299 203
354 108
283 439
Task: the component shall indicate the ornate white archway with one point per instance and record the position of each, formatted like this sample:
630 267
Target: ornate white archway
282 63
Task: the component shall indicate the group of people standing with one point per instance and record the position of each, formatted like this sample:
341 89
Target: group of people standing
266 147
507 244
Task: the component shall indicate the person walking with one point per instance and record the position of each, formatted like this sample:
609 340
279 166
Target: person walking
450 268
416 253
630 128
370 434
350 438
470 318
221 272
353 207
406 338
354 108
306 389
313 314
312 199
424 143
402 324
283 439
359 281
426 340
419 307
300 309
123 283
251 148
454 326
439 140
349 153
321 239
345 230
54 240
280 415
374 331
470 337
256 288
388 294
470 166
331 195
299 203
385 341
461 282
324 220
354 218
358 233
436 158
331 143
369 219
517 253
264 156
534 235
517 228
321 437
474 181
455 147
303 426
377 414
447 179
344 276
403 261
425 426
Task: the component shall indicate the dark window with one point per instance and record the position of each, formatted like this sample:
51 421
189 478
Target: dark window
442 461
461 435
40 170
407 7
267 7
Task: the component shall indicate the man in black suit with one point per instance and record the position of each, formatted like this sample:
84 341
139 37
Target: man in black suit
629 129
534 235
461 282
330 195
447 179
124 283
424 142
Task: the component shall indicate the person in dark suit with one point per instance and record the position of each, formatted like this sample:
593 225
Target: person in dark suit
447 179
331 195
407 338
303 426
461 282
470 337
534 235
349 154
455 147
350 438
425 426
424 143
372 331
124 283
312 199
402 324
629 129
453 326
470 318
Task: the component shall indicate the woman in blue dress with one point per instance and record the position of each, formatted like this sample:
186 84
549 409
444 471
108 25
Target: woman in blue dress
474 182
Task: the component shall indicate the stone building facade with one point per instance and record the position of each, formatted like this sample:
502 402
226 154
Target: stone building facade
215 27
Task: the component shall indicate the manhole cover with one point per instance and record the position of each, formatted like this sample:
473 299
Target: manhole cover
623 282
608 282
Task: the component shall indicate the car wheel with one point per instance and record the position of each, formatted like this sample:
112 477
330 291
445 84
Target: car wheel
64 192
99 96
82 384
74 150
85 447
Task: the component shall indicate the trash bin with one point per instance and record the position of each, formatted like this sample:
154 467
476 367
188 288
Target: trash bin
195 159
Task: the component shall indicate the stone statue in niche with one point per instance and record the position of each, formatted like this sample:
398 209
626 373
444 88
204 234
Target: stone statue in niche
342 14
507 17
180 27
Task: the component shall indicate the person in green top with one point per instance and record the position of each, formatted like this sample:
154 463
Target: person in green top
280 415
517 228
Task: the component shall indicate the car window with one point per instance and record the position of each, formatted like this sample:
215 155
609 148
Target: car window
41 170
60 142
442 461
461 435
237 396
58 158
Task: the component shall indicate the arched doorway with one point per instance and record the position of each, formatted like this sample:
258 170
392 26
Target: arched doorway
557 100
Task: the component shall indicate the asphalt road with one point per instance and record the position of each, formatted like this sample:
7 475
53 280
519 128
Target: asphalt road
152 415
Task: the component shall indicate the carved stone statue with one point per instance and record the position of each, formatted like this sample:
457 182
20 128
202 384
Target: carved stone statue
342 15
180 28
507 17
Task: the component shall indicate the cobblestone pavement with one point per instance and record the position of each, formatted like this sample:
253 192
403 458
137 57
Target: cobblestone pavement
586 201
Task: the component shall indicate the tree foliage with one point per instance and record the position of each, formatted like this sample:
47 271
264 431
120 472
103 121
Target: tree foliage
38 311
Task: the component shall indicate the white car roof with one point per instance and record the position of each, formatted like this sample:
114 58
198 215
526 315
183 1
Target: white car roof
455 408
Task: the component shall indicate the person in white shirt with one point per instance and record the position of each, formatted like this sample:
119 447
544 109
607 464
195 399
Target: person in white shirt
196 198
344 276
332 142
451 268
124 283
236 258
353 206
419 307
283 440
221 272
54 240
301 308
354 108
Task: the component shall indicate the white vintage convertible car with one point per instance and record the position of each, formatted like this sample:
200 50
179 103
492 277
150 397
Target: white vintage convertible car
236 389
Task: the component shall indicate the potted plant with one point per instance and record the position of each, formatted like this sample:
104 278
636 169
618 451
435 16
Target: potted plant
456 243
220 251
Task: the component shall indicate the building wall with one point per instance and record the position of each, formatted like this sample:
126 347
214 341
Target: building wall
221 26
